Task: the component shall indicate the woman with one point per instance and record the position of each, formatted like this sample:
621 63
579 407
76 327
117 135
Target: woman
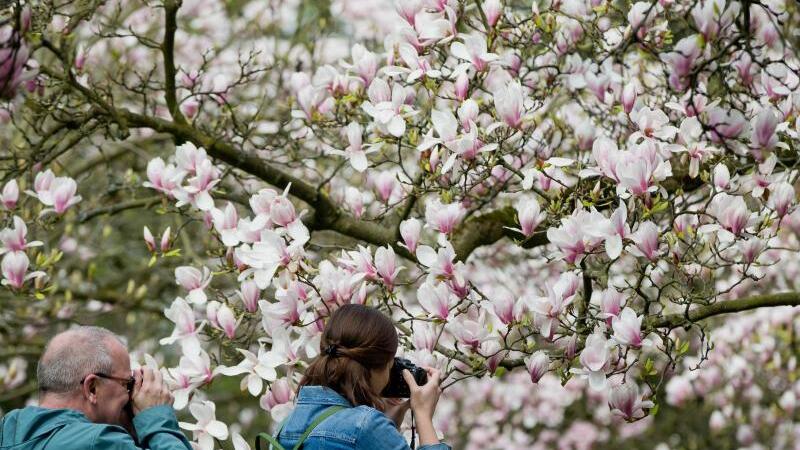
359 344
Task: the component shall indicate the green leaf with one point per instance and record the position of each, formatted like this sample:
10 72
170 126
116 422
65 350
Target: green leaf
152 261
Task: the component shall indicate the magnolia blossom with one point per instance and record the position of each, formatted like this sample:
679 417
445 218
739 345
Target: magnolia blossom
474 50
645 241
163 177
781 198
250 295
278 399
15 239
764 136
628 328
258 368
594 359
14 268
194 281
509 103
626 401
207 427
559 296
436 299
386 265
225 222
10 195
186 328
443 217
355 151
529 215
56 192
386 106
226 321
652 124
537 364
410 230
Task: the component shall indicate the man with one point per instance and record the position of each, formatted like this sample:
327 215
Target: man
88 398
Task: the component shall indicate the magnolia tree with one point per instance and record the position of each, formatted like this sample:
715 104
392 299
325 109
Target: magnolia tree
553 202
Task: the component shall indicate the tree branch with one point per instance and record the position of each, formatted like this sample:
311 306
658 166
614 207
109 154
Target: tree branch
723 307
168 50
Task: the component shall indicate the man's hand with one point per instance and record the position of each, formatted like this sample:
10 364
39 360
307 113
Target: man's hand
396 409
150 390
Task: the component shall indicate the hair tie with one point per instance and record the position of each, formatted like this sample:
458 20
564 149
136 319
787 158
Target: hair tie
331 351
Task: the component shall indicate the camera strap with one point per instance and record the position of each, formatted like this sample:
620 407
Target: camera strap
273 442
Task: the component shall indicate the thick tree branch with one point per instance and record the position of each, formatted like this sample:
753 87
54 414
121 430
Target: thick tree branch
724 307
168 50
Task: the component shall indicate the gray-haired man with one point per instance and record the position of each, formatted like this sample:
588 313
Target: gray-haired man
88 397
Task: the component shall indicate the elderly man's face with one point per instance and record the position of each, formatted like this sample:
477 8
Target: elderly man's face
112 395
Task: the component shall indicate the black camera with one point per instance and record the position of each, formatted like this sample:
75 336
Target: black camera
397 387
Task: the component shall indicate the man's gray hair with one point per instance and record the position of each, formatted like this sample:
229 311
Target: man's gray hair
73 354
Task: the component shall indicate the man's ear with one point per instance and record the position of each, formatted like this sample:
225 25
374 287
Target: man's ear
89 388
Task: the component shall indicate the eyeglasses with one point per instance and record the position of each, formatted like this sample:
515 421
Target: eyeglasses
128 383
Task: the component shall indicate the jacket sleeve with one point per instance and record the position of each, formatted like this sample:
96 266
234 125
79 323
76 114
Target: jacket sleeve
156 428
381 432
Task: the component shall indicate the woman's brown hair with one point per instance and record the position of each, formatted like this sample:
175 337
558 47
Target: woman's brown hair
356 339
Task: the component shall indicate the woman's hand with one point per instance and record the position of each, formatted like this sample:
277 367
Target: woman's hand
424 398
396 409
423 402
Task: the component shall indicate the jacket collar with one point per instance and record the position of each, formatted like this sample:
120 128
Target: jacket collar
321 395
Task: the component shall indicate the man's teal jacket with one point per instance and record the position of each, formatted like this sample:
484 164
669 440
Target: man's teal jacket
34 428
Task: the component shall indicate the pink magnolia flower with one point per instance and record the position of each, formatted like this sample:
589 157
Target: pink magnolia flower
652 124
165 240
594 359
529 215
628 328
261 202
250 295
365 64
10 195
14 239
355 151
781 198
732 217
439 264
149 240
462 86
468 332
690 136
645 241
443 218
628 97
577 236
225 222
493 9
186 329
725 123
194 281
14 266
682 60
386 265
626 401
418 65
386 106
359 262
509 104
278 399
189 158
611 301
386 185
550 308
207 427
474 50
198 190
446 126
227 321
410 230
63 194
764 124
282 211
505 307
162 177
722 177
537 364
408 9
436 299
14 54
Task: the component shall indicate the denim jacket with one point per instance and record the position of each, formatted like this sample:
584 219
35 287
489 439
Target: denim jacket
359 428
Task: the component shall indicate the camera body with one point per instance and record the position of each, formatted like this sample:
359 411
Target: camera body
397 387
